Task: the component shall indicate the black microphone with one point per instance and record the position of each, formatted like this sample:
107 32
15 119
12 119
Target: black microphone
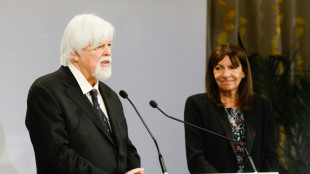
154 105
123 94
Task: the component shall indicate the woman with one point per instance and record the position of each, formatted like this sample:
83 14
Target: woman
231 109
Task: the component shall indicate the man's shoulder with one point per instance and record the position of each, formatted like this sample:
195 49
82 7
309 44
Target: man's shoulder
51 79
107 90
105 86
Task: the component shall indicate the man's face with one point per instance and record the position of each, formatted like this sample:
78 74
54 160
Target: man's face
94 64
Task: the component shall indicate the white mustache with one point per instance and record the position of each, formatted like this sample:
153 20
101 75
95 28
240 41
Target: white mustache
106 58
103 73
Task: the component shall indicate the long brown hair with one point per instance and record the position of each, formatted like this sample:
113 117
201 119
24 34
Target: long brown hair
237 56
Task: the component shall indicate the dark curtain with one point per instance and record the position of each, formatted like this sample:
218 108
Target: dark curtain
276 27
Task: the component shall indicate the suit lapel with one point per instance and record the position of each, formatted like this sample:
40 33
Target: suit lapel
106 95
222 117
251 127
75 94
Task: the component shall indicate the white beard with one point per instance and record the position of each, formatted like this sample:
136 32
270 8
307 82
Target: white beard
103 73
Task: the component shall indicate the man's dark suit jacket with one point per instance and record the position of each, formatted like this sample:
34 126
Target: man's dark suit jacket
67 134
207 153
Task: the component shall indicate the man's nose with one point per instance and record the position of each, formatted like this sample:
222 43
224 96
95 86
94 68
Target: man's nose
106 51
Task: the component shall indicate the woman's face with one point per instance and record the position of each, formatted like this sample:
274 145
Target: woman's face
227 76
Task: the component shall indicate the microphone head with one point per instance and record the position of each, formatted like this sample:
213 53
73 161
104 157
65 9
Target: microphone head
153 104
123 94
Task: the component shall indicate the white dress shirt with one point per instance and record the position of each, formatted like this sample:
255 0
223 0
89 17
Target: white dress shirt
86 88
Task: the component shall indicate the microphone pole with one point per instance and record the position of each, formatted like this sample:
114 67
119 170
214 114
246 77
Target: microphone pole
123 94
154 105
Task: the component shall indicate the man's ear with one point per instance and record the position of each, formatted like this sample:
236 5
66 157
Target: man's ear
75 57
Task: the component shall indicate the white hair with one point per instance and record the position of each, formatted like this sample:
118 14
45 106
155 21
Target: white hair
82 31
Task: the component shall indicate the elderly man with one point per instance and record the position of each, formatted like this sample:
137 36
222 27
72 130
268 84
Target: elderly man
76 123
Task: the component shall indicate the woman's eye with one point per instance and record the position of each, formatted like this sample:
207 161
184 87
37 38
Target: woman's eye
218 68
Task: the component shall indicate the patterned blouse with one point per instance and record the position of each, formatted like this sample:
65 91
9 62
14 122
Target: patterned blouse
237 122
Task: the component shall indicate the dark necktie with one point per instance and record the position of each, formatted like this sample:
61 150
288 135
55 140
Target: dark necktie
101 114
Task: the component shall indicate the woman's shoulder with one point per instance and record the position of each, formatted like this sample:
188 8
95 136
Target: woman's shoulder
198 98
261 100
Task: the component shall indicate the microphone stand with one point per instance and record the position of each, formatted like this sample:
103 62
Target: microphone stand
160 157
154 105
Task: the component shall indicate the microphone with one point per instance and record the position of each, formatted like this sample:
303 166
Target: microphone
154 105
123 94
